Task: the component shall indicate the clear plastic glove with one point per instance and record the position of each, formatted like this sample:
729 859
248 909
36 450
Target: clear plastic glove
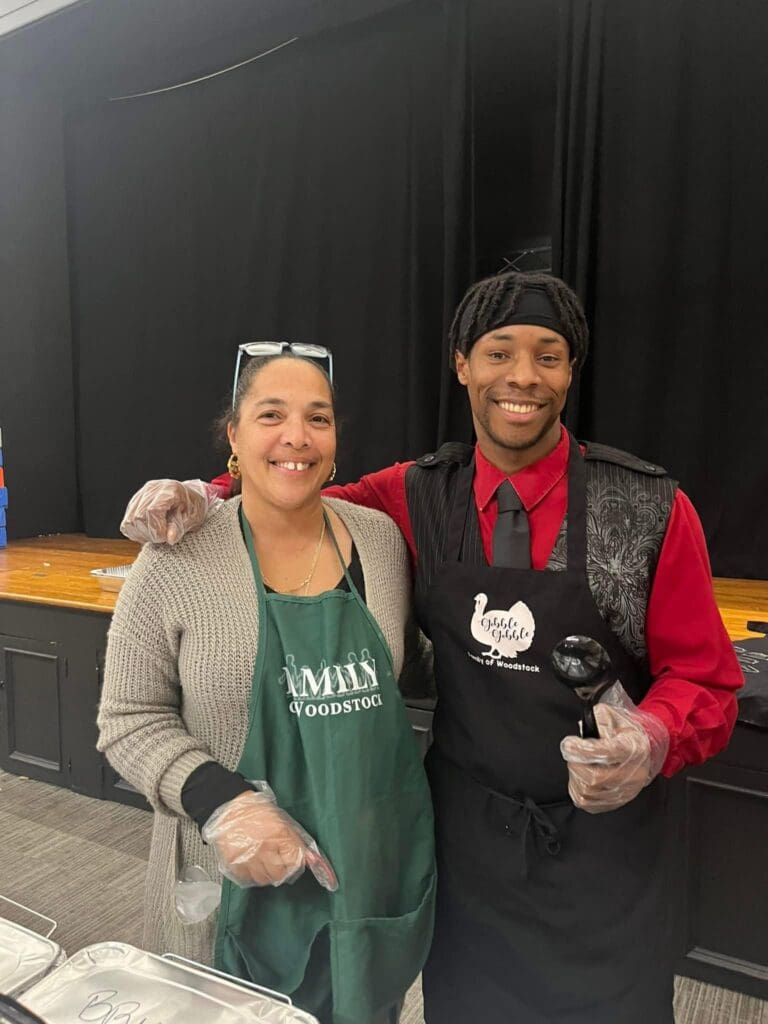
606 773
196 895
257 843
162 511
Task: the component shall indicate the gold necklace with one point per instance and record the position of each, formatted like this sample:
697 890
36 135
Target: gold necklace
307 579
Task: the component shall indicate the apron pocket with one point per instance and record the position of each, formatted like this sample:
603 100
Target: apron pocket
266 935
374 960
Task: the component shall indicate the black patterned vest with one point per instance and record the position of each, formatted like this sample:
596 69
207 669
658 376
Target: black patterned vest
628 507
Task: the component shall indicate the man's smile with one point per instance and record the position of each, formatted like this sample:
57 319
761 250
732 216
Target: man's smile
519 406
518 411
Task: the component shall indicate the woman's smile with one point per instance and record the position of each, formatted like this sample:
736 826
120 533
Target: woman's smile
287 466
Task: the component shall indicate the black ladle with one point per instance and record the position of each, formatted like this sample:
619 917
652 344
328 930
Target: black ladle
584 666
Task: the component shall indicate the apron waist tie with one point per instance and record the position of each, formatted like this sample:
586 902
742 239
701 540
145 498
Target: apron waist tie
513 816
536 824
543 828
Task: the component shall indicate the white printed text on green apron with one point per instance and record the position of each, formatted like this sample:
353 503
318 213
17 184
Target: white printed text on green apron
344 688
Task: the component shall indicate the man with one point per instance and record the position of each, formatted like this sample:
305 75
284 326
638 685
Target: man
554 876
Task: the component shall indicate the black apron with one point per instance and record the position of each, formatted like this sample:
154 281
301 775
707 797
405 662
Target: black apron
544 912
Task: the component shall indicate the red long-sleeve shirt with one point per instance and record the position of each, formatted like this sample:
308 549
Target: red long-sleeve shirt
691 658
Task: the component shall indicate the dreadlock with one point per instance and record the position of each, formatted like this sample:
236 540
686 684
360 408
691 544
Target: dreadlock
489 303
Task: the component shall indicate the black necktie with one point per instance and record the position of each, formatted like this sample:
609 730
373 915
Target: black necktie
511 540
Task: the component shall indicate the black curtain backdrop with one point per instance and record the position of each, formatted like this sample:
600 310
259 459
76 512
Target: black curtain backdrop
660 213
318 194
575 185
351 185
36 391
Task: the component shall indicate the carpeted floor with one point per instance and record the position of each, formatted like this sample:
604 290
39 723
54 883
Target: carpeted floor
81 861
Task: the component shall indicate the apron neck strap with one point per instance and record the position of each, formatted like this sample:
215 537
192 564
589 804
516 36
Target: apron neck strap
576 536
342 563
245 526
460 509
577 508
247 533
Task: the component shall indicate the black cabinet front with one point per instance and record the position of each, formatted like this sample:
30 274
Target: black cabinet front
51 668
32 679
727 891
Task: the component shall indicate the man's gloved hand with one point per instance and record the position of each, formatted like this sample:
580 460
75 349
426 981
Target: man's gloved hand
606 773
257 843
162 511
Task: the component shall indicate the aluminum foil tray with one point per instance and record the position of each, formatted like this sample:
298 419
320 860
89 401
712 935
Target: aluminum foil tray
25 957
114 981
111 578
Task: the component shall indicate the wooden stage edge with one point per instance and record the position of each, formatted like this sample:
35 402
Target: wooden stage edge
56 571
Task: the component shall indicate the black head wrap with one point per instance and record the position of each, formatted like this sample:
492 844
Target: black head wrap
519 298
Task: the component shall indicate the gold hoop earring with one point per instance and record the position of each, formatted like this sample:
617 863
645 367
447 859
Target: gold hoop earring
333 473
233 466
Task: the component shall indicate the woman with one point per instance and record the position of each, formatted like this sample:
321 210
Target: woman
247 652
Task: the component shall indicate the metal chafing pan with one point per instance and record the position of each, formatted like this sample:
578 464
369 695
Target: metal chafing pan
114 981
25 956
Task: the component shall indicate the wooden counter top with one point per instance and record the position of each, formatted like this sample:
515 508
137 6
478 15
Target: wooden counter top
56 570
741 601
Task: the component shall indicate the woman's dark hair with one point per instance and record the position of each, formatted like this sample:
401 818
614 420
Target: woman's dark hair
489 302
231 411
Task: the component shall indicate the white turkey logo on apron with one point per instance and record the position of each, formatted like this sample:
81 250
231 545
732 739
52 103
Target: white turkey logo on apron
505 632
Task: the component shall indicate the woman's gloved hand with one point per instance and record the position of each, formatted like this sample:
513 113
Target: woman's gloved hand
257 843
606 773
162 511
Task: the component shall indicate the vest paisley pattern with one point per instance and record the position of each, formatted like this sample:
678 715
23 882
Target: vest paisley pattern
628 507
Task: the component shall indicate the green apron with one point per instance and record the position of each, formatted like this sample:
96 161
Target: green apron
329 733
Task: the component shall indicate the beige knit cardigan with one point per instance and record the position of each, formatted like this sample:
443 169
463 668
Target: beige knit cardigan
180 656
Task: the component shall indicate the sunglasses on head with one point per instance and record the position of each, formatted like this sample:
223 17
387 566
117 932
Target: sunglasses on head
253 349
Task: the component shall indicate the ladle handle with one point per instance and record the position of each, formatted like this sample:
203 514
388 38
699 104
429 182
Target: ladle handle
589 730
